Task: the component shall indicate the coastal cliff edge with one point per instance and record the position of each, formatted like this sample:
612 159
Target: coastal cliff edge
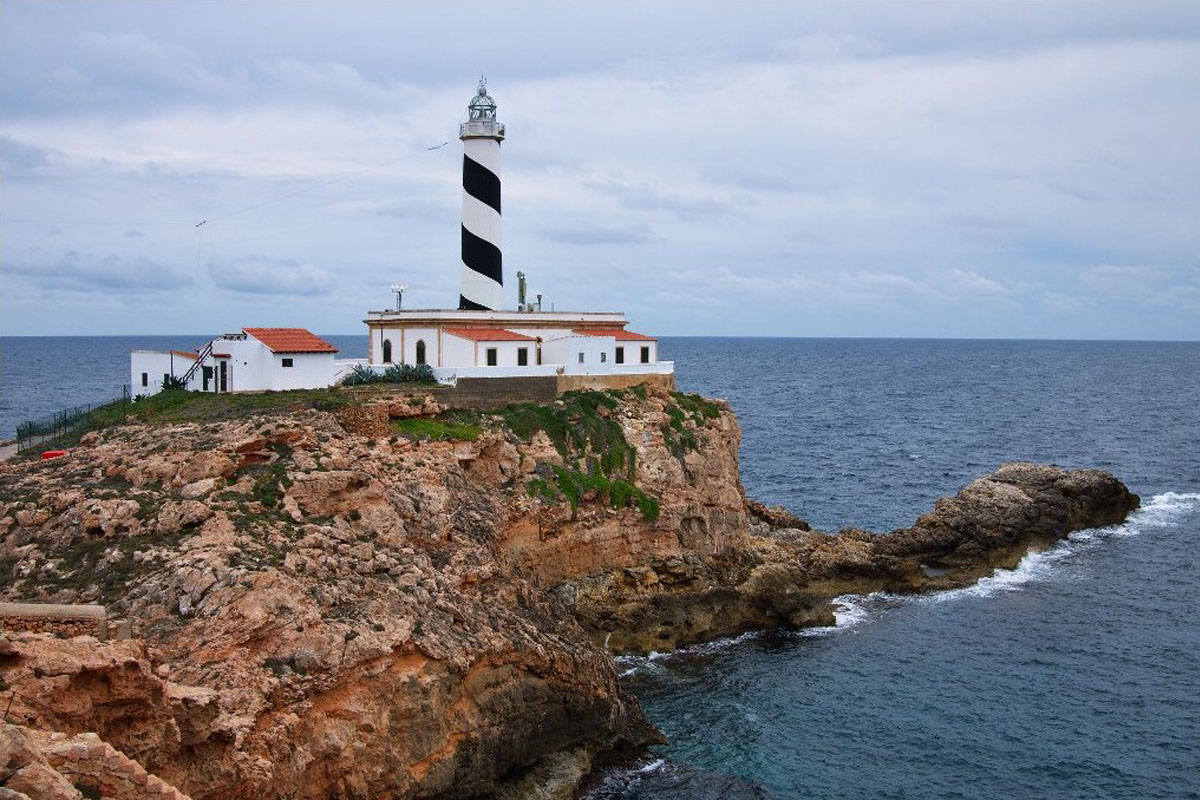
387 599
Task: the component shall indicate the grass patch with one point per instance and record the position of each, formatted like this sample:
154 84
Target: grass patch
174 406
448 427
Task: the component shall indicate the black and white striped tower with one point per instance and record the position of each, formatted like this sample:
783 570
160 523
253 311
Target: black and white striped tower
482 285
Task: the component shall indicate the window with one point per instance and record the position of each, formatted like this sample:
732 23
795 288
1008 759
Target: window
166 377
420 351
603 357
522 356
387 351
581 358
145 379
646 355
491 356
287 362
620 359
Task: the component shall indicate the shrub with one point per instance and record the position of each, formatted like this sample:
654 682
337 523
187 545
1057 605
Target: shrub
362 375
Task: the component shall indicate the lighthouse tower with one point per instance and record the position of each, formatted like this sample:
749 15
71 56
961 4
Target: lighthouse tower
482 282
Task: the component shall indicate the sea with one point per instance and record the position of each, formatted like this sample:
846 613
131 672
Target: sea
1074 676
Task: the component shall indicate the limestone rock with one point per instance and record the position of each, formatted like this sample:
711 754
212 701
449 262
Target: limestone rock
350 616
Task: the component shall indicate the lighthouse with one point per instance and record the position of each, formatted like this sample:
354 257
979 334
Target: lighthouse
482 283
483 338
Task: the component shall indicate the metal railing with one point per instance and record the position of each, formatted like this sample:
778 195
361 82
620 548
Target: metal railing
52 429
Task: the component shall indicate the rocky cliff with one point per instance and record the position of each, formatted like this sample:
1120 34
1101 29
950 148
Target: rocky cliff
390 600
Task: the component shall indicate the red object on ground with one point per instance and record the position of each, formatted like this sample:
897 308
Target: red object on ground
52 454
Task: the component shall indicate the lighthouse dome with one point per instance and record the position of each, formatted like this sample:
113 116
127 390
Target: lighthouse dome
482 106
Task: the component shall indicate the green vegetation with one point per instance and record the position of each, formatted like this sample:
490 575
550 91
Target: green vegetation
272 481
596 456
451 426
573 485
688 412
579 423
397 373
79 564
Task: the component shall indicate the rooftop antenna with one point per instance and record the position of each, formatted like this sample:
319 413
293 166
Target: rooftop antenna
399 289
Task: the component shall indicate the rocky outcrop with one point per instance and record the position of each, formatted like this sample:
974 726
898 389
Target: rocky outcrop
791 575
396 601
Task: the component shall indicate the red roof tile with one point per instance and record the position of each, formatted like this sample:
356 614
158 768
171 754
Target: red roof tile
185 354
619 334
489 335
291 340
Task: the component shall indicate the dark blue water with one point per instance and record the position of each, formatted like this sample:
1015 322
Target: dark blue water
1075 676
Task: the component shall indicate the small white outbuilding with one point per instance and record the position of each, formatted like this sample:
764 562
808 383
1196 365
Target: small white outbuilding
256 359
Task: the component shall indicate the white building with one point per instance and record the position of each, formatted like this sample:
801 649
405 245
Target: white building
481 340
478 344
256 359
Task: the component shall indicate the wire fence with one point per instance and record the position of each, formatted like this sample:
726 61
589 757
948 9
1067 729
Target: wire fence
52 429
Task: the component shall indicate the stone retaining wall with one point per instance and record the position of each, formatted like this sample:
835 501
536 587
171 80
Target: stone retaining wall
489 394
63 620
570 383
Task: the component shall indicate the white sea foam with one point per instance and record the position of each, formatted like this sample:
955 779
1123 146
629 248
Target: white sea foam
1160 511
653 766
851 610
651 661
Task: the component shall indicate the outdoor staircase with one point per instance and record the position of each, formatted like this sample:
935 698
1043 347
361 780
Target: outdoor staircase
201 356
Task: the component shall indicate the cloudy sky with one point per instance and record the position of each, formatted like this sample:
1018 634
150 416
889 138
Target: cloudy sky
844 169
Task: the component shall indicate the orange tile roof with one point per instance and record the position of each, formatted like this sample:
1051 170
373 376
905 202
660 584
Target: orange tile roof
619 334
185 354
489 335
291 340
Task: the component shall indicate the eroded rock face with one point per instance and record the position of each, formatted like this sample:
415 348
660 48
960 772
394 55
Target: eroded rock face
323 613
327 613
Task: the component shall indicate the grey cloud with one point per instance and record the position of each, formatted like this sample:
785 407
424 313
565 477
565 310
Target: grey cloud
601 234
17 157
644 197
87 272
256 275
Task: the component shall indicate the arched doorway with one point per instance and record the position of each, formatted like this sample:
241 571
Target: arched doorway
387 351
420 351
